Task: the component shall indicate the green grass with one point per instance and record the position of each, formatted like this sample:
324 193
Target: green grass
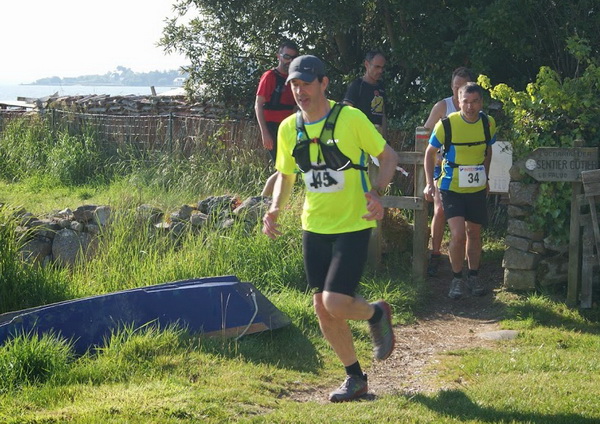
549 374
149 375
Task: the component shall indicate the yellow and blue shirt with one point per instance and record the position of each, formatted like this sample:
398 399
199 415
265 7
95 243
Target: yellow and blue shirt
464 133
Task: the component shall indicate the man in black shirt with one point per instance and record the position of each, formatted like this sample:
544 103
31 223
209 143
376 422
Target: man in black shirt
367 92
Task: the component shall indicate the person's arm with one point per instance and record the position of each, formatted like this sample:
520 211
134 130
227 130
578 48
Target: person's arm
267 140
438 111
388 159
351 96
281 194
429 165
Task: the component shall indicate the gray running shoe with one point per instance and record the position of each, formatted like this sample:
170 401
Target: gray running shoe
456 288
352 388
382 332
432 266
475 285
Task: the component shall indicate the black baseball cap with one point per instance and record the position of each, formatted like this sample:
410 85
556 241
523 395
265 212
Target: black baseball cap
306 68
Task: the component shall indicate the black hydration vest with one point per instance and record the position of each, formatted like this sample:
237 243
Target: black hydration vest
448 137
274 102
330 156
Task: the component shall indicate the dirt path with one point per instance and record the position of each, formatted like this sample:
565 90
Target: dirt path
443 325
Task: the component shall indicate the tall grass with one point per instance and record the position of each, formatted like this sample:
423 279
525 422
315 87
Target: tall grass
23 148
29 358
133 253
28 148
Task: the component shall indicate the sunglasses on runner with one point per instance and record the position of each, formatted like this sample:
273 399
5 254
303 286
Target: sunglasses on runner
288 57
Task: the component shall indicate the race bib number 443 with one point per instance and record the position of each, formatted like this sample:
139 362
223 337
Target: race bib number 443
324 181
472 176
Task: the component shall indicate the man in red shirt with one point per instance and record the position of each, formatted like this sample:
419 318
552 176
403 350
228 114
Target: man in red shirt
274 102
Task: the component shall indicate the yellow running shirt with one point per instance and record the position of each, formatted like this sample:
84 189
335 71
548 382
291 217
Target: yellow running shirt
463 132
335 200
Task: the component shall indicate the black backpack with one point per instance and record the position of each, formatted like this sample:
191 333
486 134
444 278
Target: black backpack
330 155
274 102
448 136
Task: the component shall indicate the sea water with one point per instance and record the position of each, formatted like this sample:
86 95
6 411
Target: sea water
10 92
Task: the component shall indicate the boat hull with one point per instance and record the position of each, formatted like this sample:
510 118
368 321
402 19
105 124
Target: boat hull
211 306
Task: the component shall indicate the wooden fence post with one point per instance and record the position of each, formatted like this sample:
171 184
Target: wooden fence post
574 267
421 233
574 270
375 242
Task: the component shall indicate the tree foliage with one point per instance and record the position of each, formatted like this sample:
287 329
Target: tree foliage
553 111
229 43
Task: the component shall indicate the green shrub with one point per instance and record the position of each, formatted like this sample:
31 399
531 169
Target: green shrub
553 112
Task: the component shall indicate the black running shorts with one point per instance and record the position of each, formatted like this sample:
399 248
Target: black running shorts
335 262
471 206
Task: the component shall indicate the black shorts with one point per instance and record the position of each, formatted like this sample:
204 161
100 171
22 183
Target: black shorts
471 206
335 262
273 127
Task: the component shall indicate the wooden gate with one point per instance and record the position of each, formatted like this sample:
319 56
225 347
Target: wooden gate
416 203
590 236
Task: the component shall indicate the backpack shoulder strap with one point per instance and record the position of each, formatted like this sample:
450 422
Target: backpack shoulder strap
329 127
300 130
486 127
447 134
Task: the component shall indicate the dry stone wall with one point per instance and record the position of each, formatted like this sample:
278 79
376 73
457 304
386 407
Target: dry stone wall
531 259
68 236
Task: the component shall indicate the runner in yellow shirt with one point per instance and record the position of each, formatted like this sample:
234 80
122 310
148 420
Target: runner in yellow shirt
339 211
467 137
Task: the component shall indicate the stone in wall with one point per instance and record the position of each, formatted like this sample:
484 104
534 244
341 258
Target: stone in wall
554 246
69 246
149 213
519 243
518 259
521 194
520 228
538 247
517 211
516 171
35 251
198 219
84 213
183 214
253 208
101 215
553 270
519 279
43 228
215 205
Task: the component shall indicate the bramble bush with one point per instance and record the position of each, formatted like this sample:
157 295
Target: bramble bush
553 112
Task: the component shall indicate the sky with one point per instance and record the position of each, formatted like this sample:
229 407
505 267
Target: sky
70 38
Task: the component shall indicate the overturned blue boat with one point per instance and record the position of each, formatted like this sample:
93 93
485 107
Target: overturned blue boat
211 306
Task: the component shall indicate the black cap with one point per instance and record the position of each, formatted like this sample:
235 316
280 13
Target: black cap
306 68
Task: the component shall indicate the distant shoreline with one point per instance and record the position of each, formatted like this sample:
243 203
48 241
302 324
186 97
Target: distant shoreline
91 84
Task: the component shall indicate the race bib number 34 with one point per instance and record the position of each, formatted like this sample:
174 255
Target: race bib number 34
324 181
472 176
